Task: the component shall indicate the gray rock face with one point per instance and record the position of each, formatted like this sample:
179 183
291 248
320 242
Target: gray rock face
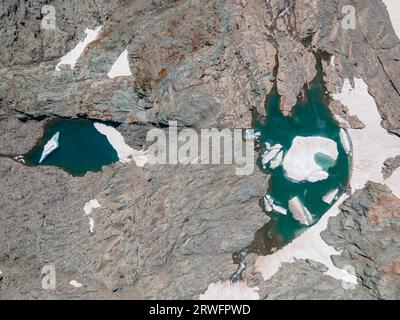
367 52
368 232
208 71
169 231
17 137
161 232
307 282
390 166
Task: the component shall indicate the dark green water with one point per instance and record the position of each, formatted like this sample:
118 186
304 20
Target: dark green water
311 117
81 147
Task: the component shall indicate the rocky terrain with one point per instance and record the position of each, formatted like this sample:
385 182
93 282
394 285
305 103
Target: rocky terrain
169 231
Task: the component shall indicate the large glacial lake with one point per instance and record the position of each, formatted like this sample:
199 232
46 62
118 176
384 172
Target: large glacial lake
81 147
310 117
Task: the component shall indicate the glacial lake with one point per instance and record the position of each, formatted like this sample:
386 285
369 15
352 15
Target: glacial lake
310 117
81 147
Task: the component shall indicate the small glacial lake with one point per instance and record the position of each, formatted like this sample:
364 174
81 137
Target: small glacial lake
81 147
310 118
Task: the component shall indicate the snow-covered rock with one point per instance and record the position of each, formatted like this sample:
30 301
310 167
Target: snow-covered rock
89 206
120 68
72 56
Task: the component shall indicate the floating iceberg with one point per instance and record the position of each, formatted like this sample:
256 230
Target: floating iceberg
300 212
271 153
271 206
345 140
50 147
329 197
299 163
277 161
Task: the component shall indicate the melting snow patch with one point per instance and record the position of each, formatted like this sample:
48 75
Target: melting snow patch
89 206
75 284
120 68
299 162
125 153
72 57
308 245
371 145
225 291
91 224
393 7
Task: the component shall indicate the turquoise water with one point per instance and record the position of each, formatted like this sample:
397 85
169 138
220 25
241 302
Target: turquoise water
81 147
311 117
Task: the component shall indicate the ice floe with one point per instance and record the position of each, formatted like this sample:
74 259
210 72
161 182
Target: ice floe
72 56
50 147
120 68
125 153
330 196
299 162
308 245
270 154
225 291
276 161
300 212
345 140
393 7
270 205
